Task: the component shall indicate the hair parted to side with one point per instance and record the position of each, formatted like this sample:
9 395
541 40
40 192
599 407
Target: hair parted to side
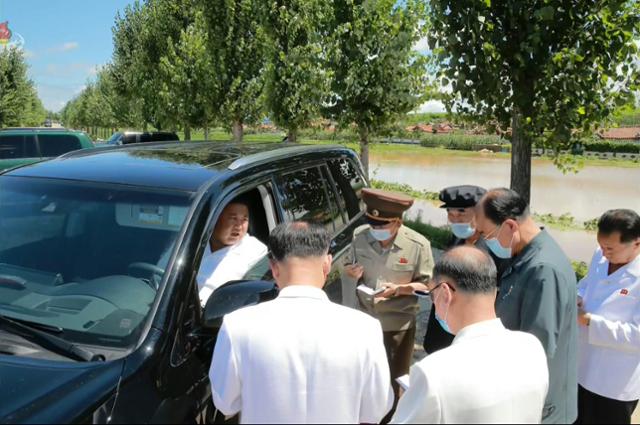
299 240
500 205
470 269
627 222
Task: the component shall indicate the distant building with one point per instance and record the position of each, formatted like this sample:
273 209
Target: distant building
623 133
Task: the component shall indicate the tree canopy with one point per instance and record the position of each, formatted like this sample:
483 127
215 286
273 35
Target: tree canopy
19 102
548 69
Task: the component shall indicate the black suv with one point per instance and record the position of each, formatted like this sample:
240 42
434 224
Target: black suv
129 137
100 319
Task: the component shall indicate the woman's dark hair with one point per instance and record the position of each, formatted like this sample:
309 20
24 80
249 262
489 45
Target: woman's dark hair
299 240
500 205
627 222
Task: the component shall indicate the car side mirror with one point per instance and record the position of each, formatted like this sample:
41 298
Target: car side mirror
235 295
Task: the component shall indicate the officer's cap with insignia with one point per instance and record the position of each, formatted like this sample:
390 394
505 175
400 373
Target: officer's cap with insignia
465 196
384 207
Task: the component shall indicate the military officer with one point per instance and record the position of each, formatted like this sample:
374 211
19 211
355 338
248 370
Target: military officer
391 261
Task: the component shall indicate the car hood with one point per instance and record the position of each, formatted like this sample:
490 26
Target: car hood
37 391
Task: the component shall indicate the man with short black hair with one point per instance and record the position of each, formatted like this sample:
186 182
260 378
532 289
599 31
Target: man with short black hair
537 293
231 251
609 318
489 374
301 358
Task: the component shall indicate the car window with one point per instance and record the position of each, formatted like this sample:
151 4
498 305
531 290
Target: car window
129 138
52 145
99 296
337 210
19 146
349 185
306 197
114 139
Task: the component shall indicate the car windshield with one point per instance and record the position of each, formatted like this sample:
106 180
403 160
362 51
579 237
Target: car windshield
114 138
85 257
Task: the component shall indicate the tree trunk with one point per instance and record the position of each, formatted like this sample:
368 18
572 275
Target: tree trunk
520 158
237 130
187 132
206 134
364 150
292 136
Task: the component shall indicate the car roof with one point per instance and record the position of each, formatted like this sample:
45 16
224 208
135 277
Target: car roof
183 166
39 130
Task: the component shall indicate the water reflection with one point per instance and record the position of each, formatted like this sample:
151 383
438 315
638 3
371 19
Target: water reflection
576 244
585 195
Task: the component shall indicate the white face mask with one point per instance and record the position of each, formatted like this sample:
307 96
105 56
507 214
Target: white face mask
381 235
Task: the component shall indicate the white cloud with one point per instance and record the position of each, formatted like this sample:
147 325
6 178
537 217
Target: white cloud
55 96
422 45
432 106
65 47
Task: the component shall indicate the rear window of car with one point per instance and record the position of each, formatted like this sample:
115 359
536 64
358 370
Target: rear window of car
52 145
14 147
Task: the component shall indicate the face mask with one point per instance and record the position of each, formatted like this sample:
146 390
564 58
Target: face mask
462 230
499 250
381 235
443 322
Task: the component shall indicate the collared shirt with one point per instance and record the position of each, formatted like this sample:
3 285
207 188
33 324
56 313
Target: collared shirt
301 359
488 375
538 295
227 264
610 345
408 260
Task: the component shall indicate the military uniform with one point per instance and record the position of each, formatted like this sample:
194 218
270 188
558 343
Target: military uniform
407 260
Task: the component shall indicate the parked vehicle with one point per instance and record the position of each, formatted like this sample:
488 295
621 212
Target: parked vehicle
100 319
129 137
20 146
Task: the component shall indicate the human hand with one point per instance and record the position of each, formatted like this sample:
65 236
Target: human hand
584 318
390 291
354 271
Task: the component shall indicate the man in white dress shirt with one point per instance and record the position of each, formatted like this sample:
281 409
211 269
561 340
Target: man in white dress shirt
231 252
609 319
301 358
489 374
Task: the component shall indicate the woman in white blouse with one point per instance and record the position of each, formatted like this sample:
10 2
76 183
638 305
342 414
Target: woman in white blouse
609 318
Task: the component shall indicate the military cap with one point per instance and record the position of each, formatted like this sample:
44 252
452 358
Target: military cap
465 196
384 206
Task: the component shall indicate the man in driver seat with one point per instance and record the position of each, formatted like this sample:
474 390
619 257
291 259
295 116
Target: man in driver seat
231 252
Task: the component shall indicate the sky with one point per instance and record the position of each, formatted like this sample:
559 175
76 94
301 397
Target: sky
66 41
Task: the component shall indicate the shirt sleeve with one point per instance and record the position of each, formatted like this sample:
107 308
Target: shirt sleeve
616 335
377 398
425 265
420 404
544 306
224 375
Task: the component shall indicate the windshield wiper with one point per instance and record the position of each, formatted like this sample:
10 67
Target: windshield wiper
32 332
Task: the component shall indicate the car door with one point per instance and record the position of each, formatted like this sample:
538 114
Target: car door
308 194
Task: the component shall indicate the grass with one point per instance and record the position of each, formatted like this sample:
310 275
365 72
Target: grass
381 148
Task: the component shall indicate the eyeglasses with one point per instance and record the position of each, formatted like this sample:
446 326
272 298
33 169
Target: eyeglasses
430 292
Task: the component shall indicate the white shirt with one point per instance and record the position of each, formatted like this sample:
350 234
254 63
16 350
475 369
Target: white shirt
301 359
488 375
227 264
609 349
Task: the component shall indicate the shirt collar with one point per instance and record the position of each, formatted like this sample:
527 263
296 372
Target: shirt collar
303 291
480 329
531 249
